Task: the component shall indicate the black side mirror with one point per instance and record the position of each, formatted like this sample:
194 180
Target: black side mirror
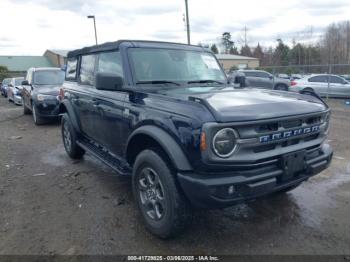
108 81
25 83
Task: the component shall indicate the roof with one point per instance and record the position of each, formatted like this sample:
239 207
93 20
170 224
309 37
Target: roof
234 57
23 63
60 52
109 46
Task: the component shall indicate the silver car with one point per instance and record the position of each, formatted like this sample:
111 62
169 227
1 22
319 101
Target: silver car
337 86
264 80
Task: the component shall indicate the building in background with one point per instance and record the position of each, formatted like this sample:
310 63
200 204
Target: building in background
18 65
229 62
57 57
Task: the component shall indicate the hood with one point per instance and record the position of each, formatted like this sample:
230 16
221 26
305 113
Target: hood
53 90
254 104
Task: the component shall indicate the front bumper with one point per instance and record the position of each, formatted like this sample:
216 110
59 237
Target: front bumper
48 108
17 99
212 190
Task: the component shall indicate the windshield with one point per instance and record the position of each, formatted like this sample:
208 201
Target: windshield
50 77
18 81
6 81
152 65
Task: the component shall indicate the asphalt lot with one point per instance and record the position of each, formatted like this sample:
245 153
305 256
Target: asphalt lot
50 204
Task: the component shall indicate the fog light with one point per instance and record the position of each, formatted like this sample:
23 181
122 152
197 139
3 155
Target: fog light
231 190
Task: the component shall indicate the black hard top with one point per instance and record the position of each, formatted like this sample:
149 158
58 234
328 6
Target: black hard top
109 46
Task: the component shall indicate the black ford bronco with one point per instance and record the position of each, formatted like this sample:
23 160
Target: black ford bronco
165 114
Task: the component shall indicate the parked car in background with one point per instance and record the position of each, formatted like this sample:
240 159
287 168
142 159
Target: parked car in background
14 90
40 93
284 76
4 86
296 76
265 80
346 77
337 87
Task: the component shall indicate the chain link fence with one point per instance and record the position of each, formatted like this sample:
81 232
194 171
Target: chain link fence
304 70
294 72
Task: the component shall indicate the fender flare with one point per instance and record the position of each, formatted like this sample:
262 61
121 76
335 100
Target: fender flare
168 144
69 109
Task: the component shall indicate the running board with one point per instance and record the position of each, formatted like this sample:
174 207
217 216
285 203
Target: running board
105 157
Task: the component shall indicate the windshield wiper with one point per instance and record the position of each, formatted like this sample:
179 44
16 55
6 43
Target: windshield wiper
205 81
157 82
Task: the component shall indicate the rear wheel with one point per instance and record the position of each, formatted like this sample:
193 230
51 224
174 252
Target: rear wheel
69 137
281 87
164 209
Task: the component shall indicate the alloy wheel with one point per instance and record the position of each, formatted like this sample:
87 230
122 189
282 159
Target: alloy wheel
151 193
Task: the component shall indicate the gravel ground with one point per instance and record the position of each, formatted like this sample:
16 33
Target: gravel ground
50 204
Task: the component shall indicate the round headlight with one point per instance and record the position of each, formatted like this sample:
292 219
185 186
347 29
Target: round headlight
224 142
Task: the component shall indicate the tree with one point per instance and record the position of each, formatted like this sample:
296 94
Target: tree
233 51
245 51
258 53
227 42
214 49
281 53
4 72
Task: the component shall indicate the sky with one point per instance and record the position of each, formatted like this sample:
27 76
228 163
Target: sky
29 27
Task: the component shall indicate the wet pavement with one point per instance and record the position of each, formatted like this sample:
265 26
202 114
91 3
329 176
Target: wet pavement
51 204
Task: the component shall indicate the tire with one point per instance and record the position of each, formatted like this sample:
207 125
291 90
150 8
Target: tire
309 89
164 210
281 87
37 119
26 110
69 138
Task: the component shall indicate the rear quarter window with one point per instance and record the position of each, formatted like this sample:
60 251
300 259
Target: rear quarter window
87 70
71 70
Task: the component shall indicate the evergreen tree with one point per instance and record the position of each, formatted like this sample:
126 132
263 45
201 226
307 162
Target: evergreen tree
214 49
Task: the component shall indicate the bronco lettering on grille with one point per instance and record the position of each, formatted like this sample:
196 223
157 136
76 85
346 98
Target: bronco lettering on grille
289 133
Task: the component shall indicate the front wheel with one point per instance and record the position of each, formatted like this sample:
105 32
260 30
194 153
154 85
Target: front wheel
164 209
37 119
26 110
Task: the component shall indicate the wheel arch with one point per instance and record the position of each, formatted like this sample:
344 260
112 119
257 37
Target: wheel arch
66 108
152 136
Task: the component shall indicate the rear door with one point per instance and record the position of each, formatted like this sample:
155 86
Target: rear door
83 97
319 84
266 79
110 106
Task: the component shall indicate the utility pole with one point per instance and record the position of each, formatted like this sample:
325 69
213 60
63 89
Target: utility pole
93 17
187 24
245 35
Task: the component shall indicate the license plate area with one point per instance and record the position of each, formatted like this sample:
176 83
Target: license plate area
292 164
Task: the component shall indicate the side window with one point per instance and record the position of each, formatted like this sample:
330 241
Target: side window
318 79
336 80
110 62
262 74
251 74
71 70
87 69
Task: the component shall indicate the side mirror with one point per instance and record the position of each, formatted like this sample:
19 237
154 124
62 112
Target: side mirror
270 77
25 83
108 81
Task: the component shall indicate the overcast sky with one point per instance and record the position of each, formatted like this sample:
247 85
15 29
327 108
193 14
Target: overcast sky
29 27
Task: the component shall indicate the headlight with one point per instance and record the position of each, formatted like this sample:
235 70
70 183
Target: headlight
224 142
42 97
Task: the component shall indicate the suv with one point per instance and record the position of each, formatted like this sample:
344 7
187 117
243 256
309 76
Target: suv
265 80
164 114
40 93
